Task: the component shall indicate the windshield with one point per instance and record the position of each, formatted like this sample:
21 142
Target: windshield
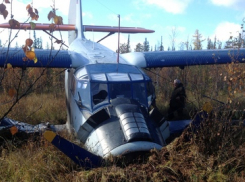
95 86
129 90
120 90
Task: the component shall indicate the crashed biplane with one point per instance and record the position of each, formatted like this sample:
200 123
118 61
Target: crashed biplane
108 96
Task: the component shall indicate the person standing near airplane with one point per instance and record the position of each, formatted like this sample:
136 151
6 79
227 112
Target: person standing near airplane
177 100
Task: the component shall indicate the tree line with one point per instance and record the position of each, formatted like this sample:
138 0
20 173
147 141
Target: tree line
195 44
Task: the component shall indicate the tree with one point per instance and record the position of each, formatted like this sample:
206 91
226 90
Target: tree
37 42
210 44
214 45
0 43
181 46
235 42
219 44
187 43
197 41
146 45
17 82
16 45
172 37
47 46
125 47
161 48
139 48
128 45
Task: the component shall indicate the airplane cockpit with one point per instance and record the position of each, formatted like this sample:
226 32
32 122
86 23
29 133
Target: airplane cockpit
96 85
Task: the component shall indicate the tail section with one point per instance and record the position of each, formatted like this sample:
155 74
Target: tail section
75 17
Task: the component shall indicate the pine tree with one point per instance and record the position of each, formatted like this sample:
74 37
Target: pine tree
146 45
210 44
128 45
161 48
187 43
219 44
16 45
0 43
37 42
123 48
47 46
139 48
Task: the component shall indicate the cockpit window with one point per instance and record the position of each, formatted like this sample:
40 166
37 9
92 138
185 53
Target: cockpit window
81 73
139 92
150 93
82 94
99 94
120 90
98 77
135 77
118 77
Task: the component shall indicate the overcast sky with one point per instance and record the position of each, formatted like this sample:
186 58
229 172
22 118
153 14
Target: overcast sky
210 17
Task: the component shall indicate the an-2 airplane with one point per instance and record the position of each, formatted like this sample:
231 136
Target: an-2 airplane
109 97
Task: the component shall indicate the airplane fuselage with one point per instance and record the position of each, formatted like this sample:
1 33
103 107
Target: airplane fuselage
108 103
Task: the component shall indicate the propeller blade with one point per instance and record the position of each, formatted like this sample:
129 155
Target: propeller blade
79 155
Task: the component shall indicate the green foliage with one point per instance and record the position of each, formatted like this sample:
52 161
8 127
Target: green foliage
124 48
139 48
146 45
37 43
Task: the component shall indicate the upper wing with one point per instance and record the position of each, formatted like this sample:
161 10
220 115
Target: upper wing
116 29
70 27
46 58
184 58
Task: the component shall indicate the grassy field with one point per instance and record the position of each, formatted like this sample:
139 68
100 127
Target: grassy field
36 108
215 153
219 157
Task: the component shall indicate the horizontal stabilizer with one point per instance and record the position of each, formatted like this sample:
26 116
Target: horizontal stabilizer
45 58
79 155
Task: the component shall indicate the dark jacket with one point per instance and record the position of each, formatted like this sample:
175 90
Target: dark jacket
178 92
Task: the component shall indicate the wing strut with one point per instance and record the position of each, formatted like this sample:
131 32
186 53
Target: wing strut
109 34
55 38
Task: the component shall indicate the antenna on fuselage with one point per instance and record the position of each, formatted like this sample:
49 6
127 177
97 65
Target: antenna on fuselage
118 38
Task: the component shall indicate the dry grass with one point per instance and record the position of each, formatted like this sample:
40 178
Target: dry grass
34 161
37 108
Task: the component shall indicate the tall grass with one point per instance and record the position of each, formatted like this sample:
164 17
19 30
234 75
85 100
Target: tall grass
34 161
37 108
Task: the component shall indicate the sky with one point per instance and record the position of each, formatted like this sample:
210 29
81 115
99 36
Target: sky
220 18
